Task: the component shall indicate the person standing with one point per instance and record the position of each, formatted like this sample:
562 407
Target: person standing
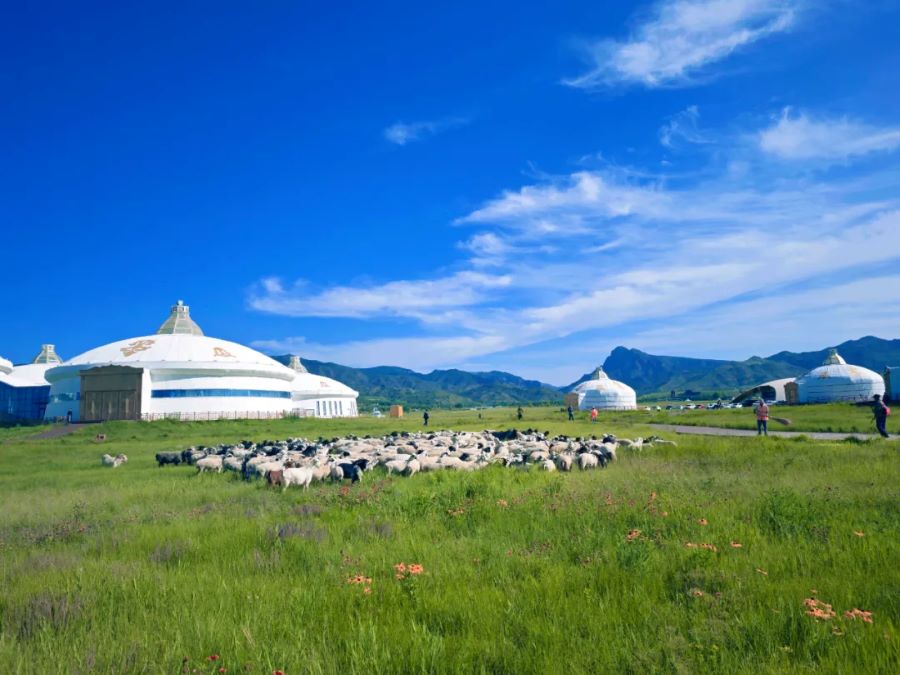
520 413
881 412
593 415
762 418
571 414
425 417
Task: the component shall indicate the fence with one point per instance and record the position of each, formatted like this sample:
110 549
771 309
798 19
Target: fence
208 416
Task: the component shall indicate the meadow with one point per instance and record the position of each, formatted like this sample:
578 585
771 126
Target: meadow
715 555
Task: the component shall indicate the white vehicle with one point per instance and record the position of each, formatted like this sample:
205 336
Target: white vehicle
377 413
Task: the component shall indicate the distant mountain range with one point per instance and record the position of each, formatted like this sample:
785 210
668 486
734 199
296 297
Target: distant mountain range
650 375
384 385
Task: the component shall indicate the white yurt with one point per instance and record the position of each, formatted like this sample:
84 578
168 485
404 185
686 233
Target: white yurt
836 380
604 393
24 390
319 396
176 373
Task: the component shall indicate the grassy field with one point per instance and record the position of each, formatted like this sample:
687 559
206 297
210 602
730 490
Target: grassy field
139 568
834 417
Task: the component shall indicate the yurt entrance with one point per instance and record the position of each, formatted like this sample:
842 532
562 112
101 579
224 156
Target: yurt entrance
110 393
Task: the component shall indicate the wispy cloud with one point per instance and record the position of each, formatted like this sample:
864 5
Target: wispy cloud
403 133
398 298
798 137
591 254
680 39
683 127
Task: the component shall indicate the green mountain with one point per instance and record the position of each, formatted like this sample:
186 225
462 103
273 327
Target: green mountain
384 385
659 375
651 376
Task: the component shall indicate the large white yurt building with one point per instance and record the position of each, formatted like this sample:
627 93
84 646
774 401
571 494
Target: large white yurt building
604 393
176 373
315 395
836 380
24 390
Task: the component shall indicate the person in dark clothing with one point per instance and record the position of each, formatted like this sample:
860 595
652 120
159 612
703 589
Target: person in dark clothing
425 417
68 417
880 411
571 414
520 413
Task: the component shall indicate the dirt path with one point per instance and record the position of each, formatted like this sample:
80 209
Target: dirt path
55 432
720 431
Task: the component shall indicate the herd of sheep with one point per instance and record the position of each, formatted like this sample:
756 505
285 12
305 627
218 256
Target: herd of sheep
301 462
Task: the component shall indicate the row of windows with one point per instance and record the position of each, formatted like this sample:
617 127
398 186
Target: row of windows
24 403
65 397
194 393
332 408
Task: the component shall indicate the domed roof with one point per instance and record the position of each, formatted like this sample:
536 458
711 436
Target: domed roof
177 352
309 385
836 380
5 366
178 345
600 381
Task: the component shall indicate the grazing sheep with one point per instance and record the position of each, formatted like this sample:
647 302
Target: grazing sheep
564 462
163 458
119 460
412 467
548 465
337 473
210 463
351 471
302 477
395 465
108 460
587 461
275 478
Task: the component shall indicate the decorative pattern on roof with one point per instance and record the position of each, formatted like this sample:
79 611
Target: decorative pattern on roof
179 322
47 355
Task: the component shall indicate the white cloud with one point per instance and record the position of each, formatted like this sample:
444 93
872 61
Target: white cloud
801 138
610 252
398 298
682 127
681 38
403 133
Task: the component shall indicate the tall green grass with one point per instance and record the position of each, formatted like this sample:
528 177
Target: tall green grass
138 568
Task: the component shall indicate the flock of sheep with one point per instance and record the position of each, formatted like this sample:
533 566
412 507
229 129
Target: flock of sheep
300 462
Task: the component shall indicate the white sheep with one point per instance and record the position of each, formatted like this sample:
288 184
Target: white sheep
301 476
564 462
586 461
108 460
210 463
412 467
548 465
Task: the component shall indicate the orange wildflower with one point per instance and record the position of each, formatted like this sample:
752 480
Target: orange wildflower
859 614
400 567
735 544
634 534
696 592
502 502
859 533
818 609
703 521
763 572
416 569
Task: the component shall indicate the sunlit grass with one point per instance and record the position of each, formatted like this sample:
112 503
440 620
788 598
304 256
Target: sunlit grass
135 569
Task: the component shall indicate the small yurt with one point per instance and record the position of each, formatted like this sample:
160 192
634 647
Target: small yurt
604 393
836 380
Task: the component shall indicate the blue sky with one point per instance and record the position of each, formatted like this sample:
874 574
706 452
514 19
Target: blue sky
491 185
